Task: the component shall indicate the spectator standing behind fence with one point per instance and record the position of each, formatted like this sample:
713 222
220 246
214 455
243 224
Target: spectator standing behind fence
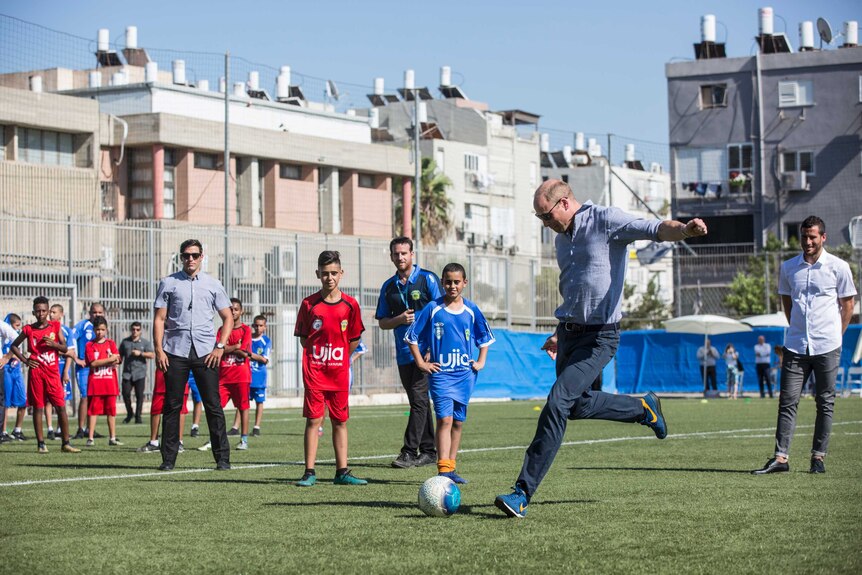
734 374
134 353
817 293
707 356
763 361
185 341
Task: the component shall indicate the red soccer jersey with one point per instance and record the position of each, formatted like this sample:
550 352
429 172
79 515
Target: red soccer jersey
233 368
328 328
102 380
48 358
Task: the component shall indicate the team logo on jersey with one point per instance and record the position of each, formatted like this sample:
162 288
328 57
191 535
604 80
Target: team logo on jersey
416 294
317 324
467 333
453 359
327 353
344 325
51 336
438 330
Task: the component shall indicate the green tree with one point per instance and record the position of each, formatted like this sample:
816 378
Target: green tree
647 311
748 290
435 205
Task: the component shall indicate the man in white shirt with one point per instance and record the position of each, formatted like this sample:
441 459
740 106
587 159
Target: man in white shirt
763 361
817 292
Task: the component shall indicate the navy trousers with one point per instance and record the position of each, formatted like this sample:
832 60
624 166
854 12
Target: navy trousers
581 356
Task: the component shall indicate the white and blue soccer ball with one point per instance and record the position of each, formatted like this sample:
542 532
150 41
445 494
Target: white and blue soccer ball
439 497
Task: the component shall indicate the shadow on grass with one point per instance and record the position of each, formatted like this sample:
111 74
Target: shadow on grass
683 469
482 511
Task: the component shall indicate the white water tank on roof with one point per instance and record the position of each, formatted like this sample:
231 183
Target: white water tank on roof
409 80
445 76
374 118
630 152
707 28
851 33
132 37
239 90
545 142
151 72
254 80
95 80
806 35
204 85
766 20
103 41
579 141
378 86
282 83
179 72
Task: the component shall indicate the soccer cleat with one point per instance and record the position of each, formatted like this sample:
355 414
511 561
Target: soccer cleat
256 432
165 466
347 478
5 438
514 504
454 477
19 435
114 441
195 432
51 435
205 447
90 443
43 448
79 434
426 459
242 445
67 448
817 466
308 479
233 431
148 448
772 466
181 448
405 460
653 417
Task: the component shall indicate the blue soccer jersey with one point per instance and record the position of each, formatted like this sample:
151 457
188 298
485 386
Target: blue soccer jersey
82 334
70 345
453 337
261 346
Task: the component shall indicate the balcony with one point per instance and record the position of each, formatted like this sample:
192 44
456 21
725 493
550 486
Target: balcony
731 195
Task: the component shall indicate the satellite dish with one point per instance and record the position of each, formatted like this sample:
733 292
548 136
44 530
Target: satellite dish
825 31
332 90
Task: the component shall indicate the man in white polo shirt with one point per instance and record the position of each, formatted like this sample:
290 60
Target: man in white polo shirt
817 292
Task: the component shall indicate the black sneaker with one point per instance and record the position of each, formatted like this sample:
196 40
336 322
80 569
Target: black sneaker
404 460
127 419
772 466
165 466
51 435
97 435
5 438
223 466
817 466
195 432
256 432
425 459
19 435
79 434
233 431
138 420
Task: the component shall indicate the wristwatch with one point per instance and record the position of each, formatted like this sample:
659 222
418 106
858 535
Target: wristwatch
219 345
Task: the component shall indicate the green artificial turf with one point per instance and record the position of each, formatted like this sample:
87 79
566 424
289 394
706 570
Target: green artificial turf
686 504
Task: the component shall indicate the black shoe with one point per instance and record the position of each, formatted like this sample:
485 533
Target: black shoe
195 432
138 420
425 459
256 432
772 466
79 434
19 435
5 438
223 466
817 466
127 419
51 435
97 435
165 466
404 460
233 431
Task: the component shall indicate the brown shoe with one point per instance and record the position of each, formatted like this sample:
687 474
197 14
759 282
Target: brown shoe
69 449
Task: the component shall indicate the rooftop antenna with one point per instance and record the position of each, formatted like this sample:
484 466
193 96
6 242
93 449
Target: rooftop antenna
825 31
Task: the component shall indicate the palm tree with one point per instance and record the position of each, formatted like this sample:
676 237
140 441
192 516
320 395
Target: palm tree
435 205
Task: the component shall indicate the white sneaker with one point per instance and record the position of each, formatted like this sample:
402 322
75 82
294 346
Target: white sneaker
205 447
242 445
181 448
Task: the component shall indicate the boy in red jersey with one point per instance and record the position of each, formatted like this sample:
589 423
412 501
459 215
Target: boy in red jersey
45 342
235 369
156 408
102 356
328 325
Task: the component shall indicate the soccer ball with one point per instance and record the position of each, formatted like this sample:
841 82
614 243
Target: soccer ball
439 497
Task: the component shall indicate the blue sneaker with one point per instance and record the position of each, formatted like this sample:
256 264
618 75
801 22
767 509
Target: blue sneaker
454 477
653 417
513 504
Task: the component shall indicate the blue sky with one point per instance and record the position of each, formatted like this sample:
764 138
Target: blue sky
587 66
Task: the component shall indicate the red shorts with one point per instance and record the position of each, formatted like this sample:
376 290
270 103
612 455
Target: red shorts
41 389
102 405
158 405
316 401
236 392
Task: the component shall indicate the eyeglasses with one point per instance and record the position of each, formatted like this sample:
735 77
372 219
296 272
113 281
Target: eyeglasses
546 217
190 256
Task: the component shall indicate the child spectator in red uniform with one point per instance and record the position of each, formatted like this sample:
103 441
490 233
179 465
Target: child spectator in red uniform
102 385
235 369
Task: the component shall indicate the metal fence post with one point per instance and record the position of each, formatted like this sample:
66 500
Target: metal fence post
766 282
508 268
470 271
361 299
534 278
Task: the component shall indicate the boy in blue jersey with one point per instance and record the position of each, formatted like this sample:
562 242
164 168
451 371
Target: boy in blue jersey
82 334
261 348
15 390
450 327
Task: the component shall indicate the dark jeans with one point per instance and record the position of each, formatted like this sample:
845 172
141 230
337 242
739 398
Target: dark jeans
175 385
763 379
580 359
710 378
419 435
138 386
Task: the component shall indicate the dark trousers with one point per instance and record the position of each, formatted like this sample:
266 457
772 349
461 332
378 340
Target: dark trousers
580 359
419 435
710 379
138 386
763 379
175 385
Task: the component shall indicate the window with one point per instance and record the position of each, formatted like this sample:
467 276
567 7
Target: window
206 161
713 96
2 142
471 162
796 93
45 147
290 172
169 197
140 184
797 161
366 180
534 169
740 167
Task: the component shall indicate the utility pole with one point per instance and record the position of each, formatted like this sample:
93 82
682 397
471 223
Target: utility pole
227 270
417 161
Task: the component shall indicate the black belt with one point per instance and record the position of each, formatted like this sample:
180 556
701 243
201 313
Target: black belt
590 327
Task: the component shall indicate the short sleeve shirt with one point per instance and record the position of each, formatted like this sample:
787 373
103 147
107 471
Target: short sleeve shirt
261 346
82 334
48 358
234 368
421 287
102 380
329 328
134 367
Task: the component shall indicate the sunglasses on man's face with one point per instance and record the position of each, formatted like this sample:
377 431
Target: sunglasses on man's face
546 217
190 255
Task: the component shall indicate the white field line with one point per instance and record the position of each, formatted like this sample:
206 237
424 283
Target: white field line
352 417
727 433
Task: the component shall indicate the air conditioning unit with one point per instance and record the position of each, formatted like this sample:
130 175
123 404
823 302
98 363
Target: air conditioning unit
240 267
284 261
499 241
795 181
470 238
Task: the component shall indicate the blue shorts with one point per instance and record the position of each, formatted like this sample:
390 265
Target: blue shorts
13 387
193 387
67 389
83 374
448 407
258 394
